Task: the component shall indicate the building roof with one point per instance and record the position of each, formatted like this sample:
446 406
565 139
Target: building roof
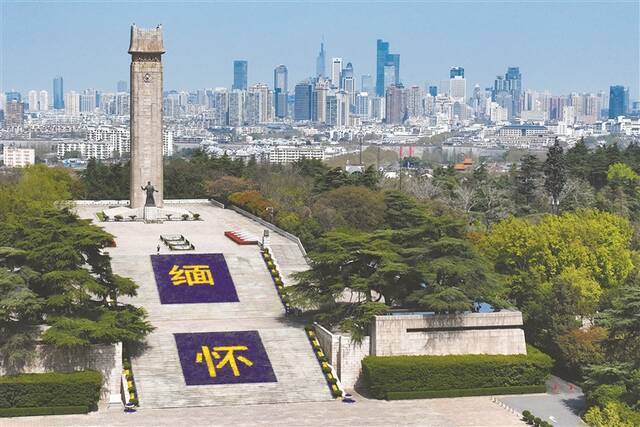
524 127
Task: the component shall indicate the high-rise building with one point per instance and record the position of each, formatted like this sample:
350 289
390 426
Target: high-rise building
14 116
13 96
236 107
220 106
321 63
456 71
366 84
58 93
513 80
457 85
618 101
336 72
389 75
394 59
319 105
342 108
71 103
415 105
395 104
87 100
33 101
382 52
43 100
240 73
433 91
362 105
280 90
122 86
303 98
383 58
259 104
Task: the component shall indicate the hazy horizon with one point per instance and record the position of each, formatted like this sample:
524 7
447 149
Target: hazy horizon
560 47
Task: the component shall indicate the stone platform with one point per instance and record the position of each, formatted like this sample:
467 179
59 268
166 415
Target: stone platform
157 370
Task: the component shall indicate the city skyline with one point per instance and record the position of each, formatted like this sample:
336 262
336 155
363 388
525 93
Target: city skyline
200 63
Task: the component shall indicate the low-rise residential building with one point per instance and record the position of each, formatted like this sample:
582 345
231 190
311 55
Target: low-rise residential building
15 157
290 154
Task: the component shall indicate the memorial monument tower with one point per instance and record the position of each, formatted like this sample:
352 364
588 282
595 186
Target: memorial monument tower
146 51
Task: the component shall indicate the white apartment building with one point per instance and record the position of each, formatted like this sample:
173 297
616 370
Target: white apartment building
15 157
72 103
106 142
290 154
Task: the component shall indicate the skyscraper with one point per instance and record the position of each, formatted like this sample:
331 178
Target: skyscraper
319 105
349 83
336 72
236 107
457 84
513 80
33 101
366 84
433 91
280 90
456 71
618 101
43 100
383 57
14 117
321 62
394 59
122 86
302 106
389 75
395 104
58 93
382 52
240 71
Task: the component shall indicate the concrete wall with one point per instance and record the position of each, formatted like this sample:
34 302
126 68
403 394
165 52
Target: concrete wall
343 354
107 359
472 333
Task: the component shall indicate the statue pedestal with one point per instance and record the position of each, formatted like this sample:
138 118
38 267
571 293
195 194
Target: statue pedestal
151 213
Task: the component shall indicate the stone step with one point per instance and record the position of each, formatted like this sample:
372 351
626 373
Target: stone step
157 370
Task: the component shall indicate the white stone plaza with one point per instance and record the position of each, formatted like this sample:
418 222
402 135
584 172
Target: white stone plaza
299 397
157 370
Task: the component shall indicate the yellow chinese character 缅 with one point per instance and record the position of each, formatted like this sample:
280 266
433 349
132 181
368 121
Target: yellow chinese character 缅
191 275
229 358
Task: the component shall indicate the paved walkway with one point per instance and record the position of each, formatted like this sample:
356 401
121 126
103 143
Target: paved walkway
157 369
463 412
561 405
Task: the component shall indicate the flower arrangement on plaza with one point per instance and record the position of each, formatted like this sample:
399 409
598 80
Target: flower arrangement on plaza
231 357
131 384
332 381
277 279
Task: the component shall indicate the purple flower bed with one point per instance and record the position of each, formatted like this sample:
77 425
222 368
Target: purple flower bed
193 278
206 358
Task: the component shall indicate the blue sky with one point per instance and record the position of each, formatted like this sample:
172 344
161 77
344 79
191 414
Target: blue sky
561 46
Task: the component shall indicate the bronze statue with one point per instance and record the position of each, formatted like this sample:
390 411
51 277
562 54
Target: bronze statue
150 190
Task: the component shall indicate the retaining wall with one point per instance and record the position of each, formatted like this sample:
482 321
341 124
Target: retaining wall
471 333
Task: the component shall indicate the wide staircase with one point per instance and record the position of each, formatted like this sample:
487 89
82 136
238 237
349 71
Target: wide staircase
157 369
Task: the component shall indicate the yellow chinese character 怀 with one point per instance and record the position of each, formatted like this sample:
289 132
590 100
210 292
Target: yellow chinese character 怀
229 358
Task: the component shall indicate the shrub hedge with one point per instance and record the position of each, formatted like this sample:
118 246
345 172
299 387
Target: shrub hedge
51 389
43 410
438 375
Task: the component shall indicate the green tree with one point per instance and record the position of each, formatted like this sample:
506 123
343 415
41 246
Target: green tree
555 174
527 183
352 207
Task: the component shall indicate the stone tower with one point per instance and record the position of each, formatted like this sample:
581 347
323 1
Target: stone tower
146 51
